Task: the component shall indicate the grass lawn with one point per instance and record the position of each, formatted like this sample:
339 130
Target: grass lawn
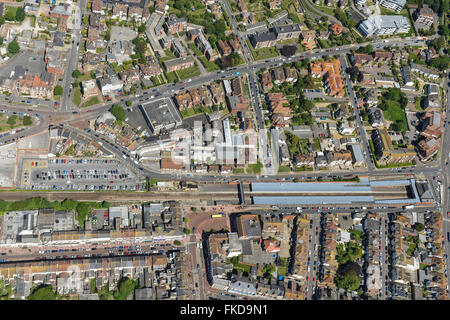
195 110
325 9
194 48
242 267
300 169
238 170
209 65
13 11
157 80
92 101
395 113
188 72
254 168
76 97
171 76
284 169
169 54
263 53
282 271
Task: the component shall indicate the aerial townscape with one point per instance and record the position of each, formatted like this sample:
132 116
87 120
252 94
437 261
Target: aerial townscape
224 150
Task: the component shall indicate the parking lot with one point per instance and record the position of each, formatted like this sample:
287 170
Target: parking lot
82 174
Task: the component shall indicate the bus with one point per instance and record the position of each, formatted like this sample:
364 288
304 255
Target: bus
216 216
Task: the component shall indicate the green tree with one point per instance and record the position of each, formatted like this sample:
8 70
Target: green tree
82 212
20 14
2 20
69 204
76 73
12 120
27 121
186 231
58 90
128 103
419 227
124 289
349 281
141 28
13 47
43 292
118 112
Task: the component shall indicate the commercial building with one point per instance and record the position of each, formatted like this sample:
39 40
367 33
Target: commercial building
384 25
424 14
396 5
161 114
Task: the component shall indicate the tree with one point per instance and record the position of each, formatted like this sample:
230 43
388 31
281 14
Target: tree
118 112
13 47
419 227
128 103
349 281
2 20
124 289
58 90
20 14
27 121
43 292
186 231
12 120
268 270
76 73
141 28
69 204
177 242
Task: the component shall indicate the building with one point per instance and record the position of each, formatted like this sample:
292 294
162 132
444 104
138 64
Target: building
174 24
278 76
285 32
337 29
424 71
376 118
248 226
432 124
266 81
358 59
308 37
384 25
160 115
424 14
89 88
396 5
331 73
108 85
54 61
224 48
384 151
178 63
263 39
357 155
407 76
150 69
428 148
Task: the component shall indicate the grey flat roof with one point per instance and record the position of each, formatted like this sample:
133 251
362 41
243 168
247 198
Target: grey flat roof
312 200
161 112
311 187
